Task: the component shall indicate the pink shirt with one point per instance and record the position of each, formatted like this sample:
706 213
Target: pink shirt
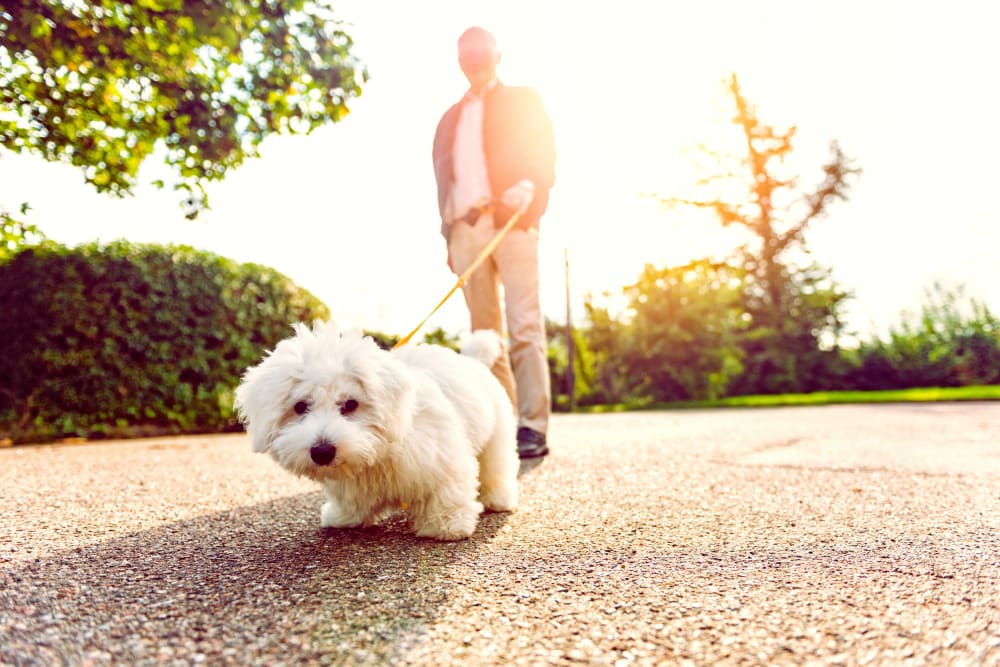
472 184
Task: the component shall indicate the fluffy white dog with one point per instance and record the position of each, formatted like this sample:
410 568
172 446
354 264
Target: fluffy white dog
419 428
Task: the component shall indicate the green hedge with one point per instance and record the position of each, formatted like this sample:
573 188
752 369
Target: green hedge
133 339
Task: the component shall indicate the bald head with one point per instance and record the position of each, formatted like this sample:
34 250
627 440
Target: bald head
478 57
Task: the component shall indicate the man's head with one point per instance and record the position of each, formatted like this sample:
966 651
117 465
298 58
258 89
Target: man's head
478 57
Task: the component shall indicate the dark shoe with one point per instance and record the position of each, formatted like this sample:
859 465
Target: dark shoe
530 443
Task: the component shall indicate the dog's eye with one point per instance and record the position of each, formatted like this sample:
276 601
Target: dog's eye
349 406
301 408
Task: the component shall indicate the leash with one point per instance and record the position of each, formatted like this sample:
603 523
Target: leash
486 252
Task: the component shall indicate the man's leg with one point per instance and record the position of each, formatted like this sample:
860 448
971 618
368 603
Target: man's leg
482 290
517 264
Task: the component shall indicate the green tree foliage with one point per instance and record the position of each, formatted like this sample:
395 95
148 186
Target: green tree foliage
607 342
685 336
952 342
436 336
16 235
791 303
684 331
798 352
100 84
581 384
678 339
104 340
439 336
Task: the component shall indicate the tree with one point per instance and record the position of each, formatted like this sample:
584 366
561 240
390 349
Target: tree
101 84
800 351
791 303
605 339
684 332
15 234
576 385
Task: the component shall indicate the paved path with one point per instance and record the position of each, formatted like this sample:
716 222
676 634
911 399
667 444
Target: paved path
839 535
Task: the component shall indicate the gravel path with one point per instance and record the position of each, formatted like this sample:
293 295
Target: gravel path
838 535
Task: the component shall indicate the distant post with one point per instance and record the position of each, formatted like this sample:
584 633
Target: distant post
570 367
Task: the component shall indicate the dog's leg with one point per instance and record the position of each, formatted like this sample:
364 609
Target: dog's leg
443 521
449 512
344 510
498 466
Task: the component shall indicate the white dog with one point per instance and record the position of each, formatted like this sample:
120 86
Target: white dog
419 428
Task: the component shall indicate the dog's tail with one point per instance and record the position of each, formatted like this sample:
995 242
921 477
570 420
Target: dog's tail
484 345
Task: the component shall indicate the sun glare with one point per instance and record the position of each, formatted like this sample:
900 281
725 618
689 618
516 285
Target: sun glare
631 96
633 89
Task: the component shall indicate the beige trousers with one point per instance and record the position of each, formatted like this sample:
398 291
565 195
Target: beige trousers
514 265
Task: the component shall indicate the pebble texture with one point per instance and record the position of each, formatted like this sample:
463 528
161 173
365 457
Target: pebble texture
846 535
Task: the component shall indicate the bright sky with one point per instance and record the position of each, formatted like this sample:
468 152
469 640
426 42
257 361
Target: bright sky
909 88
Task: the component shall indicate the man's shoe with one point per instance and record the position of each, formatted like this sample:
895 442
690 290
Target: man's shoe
530 443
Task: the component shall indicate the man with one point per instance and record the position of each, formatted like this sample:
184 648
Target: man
494 155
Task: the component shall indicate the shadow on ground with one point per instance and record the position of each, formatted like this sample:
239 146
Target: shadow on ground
258 581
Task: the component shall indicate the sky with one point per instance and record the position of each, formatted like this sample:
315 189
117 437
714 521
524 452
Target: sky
908 88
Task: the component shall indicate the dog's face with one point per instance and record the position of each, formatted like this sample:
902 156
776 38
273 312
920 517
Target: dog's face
326 403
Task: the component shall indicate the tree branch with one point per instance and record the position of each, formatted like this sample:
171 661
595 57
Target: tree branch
728 213
835 186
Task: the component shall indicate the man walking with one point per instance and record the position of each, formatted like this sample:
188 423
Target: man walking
494 155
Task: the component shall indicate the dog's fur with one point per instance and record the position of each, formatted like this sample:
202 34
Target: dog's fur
419 428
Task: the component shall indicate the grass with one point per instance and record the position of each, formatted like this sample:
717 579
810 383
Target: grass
919 395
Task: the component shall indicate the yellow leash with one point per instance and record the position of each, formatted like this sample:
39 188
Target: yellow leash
486 252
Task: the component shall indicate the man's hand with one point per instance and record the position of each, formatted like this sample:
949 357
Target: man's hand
519 196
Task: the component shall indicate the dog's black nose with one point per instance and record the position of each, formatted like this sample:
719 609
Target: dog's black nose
322 453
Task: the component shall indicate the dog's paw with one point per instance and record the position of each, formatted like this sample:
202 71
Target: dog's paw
333 515
452 534
501 498
448 523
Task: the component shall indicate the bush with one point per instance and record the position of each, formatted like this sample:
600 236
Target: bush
125 339
953 342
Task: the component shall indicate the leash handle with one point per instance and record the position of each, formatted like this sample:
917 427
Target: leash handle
486 252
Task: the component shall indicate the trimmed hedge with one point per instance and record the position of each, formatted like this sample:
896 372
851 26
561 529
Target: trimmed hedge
129 339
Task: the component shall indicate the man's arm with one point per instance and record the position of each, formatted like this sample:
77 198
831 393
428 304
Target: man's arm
444 137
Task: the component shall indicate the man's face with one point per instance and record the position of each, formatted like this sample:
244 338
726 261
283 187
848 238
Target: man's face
478 57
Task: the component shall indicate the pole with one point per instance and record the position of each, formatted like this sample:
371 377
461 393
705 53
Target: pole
571 367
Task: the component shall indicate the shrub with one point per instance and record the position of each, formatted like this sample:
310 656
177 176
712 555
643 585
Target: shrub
125 339
952 342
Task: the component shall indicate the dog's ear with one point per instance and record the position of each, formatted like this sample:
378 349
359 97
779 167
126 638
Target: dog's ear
260 400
